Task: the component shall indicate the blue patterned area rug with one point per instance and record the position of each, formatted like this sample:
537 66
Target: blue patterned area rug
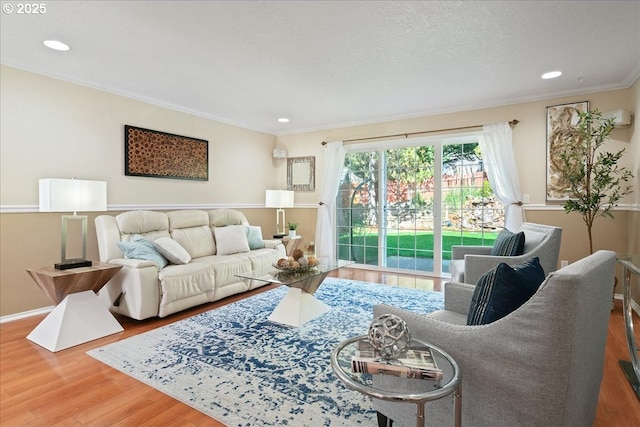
235 366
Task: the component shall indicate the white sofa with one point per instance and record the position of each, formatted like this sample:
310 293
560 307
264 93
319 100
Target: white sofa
141 289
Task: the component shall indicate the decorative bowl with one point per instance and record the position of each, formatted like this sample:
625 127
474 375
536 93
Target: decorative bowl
300 269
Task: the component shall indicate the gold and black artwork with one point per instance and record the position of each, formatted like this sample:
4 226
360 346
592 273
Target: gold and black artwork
157 154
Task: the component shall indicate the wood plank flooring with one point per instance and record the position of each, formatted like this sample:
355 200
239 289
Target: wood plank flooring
69 388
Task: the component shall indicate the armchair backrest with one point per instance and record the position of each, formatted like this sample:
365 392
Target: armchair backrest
563 328
542 241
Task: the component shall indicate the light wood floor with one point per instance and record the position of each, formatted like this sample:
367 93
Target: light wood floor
69 388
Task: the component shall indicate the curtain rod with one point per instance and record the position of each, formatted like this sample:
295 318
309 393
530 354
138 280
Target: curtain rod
512 123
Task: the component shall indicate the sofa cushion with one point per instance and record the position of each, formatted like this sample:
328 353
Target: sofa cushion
141 248
139 222
149 224
508 244
198 241
191 229
254 237
172 250
231 239
503 289
224 217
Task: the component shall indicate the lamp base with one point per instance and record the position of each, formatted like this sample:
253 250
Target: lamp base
72 263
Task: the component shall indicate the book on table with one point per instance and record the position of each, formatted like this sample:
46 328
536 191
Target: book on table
418 362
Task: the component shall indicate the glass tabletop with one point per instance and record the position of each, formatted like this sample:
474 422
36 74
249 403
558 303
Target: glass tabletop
389 387
289 277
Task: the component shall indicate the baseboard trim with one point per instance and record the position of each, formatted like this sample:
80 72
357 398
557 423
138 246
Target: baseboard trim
634 306
26 314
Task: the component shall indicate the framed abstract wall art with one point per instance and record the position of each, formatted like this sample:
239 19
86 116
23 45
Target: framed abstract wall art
301 173
561 123
157 154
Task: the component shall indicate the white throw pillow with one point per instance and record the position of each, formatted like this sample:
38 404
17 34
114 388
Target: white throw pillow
172 251
231 239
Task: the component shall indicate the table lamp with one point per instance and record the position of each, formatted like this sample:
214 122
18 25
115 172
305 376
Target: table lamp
279 199
72 195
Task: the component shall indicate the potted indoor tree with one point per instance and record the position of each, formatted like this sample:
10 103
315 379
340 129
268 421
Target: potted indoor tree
594 180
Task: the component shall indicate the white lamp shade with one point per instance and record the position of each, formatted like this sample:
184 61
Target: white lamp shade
279 199
72 195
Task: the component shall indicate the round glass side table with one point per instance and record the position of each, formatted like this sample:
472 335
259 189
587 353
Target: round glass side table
388 387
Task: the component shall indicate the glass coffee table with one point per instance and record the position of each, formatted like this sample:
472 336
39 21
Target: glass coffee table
396 389
298 306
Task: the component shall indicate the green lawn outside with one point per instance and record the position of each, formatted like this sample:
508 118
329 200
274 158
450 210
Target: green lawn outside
408 244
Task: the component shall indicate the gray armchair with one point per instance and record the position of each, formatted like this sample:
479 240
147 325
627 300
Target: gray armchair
468 263
540 365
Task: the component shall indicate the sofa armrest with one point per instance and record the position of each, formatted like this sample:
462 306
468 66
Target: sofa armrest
458 251
132 262
134 291
272 243
276 244
457 297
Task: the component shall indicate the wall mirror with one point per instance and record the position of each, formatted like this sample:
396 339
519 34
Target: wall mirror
301 173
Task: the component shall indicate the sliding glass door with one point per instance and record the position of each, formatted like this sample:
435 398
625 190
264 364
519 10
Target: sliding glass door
401 207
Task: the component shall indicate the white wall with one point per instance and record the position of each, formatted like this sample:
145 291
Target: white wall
529 138
54 129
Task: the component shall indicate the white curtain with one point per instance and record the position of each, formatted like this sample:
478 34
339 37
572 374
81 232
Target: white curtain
497 153
331 174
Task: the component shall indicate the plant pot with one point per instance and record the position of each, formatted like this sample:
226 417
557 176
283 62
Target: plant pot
292 233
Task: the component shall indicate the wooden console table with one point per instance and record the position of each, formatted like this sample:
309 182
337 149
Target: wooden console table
79 316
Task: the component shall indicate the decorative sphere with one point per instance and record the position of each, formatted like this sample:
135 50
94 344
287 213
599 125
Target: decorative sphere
389 336
297 254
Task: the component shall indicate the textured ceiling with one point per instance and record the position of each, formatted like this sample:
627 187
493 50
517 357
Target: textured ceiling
332 63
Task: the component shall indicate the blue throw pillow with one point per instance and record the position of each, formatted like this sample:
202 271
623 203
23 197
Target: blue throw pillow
141 248
508 244
254 237
503 289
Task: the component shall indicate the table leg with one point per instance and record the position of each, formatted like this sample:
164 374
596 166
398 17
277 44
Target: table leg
457 406
420 415
297 308
79 318
632 368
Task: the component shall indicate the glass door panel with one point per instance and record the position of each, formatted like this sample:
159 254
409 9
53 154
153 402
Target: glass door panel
408 211
357 209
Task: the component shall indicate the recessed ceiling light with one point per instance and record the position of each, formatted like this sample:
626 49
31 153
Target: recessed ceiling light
551 75
56 45
283 120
